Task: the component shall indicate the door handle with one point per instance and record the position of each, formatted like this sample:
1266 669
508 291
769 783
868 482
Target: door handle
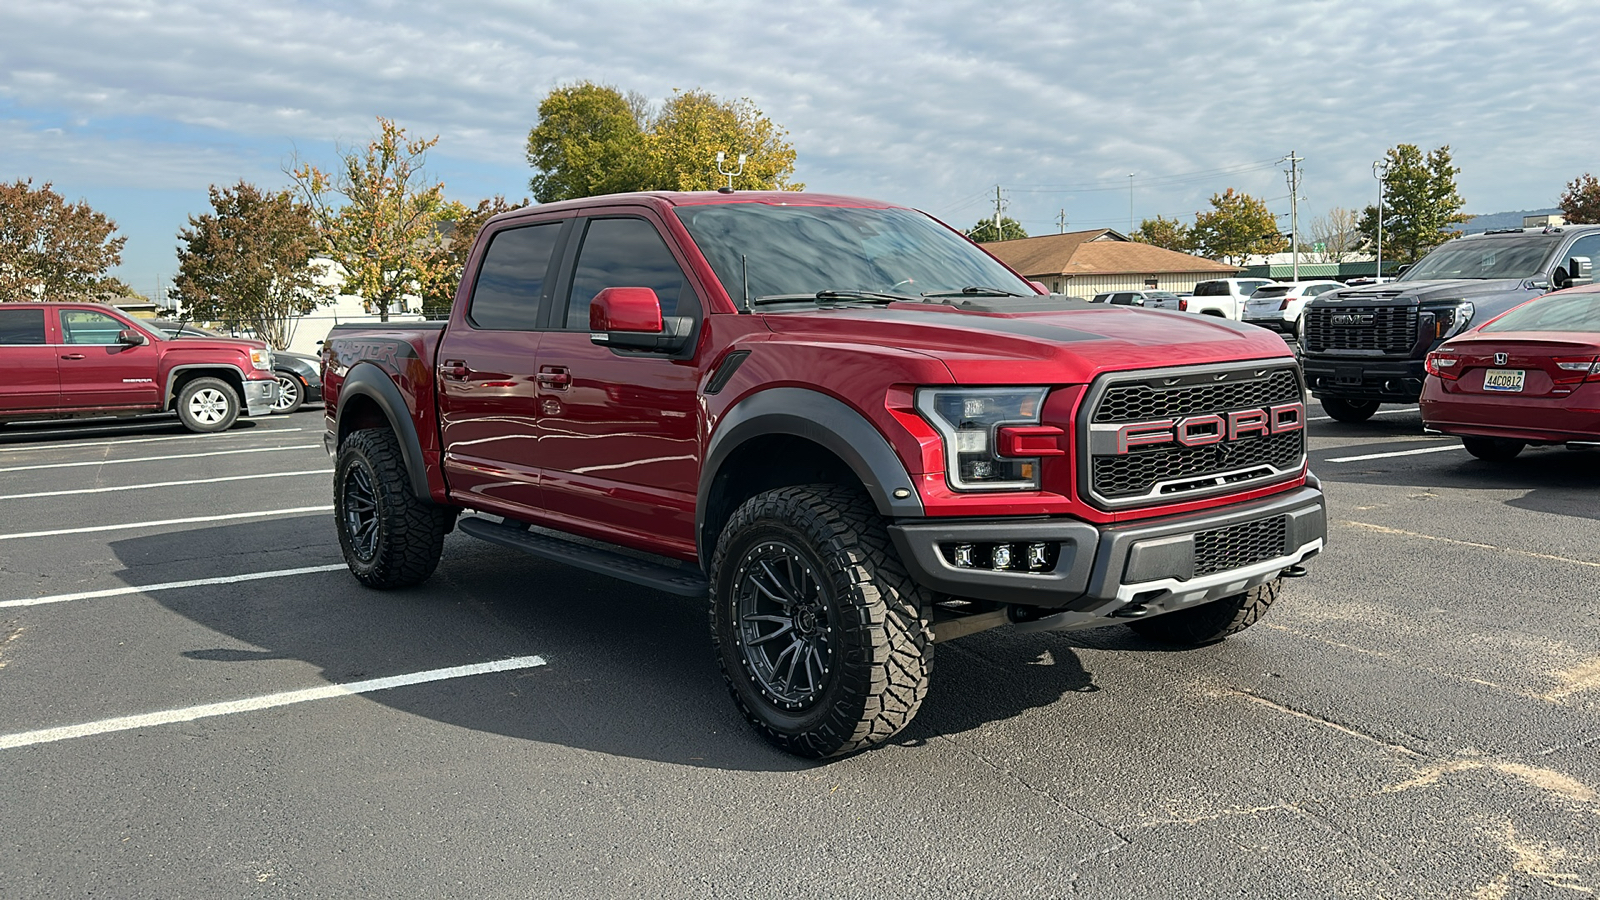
555 377
72 356
455 369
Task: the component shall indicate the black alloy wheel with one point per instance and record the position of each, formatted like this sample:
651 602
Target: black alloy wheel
360 511
390 537
786 628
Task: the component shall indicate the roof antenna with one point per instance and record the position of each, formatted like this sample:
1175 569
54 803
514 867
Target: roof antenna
721 171
744 269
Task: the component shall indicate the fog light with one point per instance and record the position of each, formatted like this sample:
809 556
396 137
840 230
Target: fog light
1001 558
963 556
1036 557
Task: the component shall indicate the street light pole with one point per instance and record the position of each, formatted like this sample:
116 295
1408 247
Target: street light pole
1380 171
1130 203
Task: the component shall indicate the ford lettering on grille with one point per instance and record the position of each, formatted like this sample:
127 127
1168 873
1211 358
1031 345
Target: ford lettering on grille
1178 434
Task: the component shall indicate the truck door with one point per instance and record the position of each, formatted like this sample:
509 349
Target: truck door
486 364
618 435
28 359
97 371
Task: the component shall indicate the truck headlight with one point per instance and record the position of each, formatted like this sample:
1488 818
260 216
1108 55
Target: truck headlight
1452 320
967 420
261 358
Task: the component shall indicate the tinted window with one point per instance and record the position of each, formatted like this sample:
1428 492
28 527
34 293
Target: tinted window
1517 257
1273 290
1588 246
83 326
1122 299
21 326
1565 312
627 253
506 294
1211 289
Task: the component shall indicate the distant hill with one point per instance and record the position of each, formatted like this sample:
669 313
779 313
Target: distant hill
1477 224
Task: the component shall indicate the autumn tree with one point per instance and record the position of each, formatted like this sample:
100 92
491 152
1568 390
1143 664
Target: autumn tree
466 222
382 220
1163 232
1580 203
1238 225
1420 203
54 250
1333 236
250 261
592 139
985 231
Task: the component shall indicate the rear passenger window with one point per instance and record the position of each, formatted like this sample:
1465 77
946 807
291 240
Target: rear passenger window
627 253
21 326
506 295
1211 289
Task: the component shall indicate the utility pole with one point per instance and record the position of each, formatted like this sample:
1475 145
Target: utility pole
1380 171
1130 203
997 212
1294 210
1061 223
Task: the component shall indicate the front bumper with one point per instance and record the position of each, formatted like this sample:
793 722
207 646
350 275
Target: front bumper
259 396
1100 571
1364 378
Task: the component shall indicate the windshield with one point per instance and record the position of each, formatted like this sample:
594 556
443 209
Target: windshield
1502 258
1560 312
801 250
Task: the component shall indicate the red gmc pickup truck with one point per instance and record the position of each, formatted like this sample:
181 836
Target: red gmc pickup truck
72 360
850 427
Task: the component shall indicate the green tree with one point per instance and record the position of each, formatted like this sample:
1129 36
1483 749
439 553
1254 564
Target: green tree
1580 203
249 262
1420 203
54 250
984 232
589 141
694 126
382 220
1237 226
1163 232
466 222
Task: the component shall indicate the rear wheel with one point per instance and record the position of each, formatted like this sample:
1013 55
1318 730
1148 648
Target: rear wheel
1349 410
206 405
390 537
1211 622
823 638
1493 449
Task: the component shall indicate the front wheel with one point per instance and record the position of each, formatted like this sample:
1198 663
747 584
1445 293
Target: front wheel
823 638
207 405
291 393
1349 410
1493 449
390 537
1211 622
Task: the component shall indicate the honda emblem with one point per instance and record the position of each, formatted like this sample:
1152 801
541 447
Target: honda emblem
1500 359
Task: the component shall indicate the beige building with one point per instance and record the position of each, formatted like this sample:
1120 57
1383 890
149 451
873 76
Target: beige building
1085 263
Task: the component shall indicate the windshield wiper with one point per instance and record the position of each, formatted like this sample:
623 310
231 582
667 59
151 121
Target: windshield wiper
868 296
976 291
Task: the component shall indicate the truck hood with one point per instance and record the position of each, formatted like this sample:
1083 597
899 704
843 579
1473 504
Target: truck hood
1065 342
1424 291
210 343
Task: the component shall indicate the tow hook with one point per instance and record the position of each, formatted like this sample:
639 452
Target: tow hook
1294 572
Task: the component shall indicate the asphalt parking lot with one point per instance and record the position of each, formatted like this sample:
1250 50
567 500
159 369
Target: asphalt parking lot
196 700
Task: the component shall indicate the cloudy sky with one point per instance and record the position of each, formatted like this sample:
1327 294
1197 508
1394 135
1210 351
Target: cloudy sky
137 107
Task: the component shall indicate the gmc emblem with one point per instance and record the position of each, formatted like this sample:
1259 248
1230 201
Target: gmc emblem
1353 318
1199 431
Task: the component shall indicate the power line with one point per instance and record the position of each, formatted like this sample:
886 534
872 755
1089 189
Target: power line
1150 181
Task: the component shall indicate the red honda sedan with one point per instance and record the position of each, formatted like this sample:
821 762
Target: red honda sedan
1530 376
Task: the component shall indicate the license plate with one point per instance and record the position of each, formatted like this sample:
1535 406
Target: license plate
1503 379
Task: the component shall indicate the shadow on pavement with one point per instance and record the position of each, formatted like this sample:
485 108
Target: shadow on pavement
629 671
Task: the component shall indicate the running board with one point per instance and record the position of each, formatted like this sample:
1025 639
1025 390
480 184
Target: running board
658 576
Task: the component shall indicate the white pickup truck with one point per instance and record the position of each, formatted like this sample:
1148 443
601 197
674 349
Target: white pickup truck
1223 297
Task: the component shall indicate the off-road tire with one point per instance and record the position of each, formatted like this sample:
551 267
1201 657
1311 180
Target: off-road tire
1493 449
1211 622
390 538
291 394
1351 411
876 629
208 405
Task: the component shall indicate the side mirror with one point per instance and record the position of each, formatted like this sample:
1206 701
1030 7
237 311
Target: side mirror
1580 271
132 338
1040 287
629 318
1402 269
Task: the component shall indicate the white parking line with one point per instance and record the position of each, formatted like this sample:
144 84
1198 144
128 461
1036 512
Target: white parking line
68 445
1381 412
162 484
1367 456
117 462
266 701
166 586
159 522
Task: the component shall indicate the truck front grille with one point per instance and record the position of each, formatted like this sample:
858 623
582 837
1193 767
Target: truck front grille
1132 452
1240 545
1390 330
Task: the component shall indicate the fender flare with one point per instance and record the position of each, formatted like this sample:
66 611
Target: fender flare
820 419
366 379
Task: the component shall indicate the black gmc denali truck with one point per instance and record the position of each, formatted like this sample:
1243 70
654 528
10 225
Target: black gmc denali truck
1365 346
